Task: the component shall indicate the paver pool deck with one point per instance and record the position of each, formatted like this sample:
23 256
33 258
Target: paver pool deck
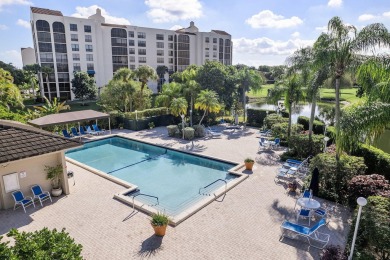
246 225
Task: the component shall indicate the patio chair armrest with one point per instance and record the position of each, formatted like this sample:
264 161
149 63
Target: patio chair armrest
28 197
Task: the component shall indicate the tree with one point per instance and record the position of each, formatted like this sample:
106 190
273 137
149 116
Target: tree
169 92
212 76
208 102
190 86
45 73
161 70
31 72
83 86
179 108
123 78
290 88
17 74
341 49
9 93
145 73
52 107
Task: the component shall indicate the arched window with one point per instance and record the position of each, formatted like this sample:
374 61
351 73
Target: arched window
43 26
58 27
118 33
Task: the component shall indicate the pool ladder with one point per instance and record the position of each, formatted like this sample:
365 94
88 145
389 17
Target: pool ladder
208 194
142 194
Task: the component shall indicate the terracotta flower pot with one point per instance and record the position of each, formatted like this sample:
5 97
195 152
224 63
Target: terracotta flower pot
249 165
159 230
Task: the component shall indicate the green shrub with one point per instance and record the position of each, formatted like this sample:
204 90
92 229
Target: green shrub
373 237
272 119
304 120
332 252
172 130
199 130
9 115
367 185
41 244
158 111
333 181
331 133
318 126
301 148
280 130
376 160
189 133
255 117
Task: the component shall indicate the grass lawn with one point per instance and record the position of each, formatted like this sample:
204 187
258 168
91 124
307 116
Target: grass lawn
76 106
262 93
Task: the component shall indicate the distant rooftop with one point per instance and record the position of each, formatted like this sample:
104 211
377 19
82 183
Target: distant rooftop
38 10
220 32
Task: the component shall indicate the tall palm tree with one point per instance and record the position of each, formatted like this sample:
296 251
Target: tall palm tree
45 72
208 102
145 73
190 86
341 48
124 77
290 88
32 72
169 92
161 70
179 108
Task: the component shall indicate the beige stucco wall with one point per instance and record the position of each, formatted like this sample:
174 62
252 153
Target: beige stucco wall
35 174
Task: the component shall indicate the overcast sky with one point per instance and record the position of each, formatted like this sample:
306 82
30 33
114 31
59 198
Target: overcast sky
263 32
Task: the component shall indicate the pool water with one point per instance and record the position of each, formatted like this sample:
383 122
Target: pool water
174 177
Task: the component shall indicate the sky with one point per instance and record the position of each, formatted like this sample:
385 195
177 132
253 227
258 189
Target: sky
263 32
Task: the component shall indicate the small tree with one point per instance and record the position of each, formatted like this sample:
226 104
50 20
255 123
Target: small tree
179 108
83 86
208 102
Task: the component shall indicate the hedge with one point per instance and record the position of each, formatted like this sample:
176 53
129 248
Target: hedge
318 126
280 130
159 111
301 148
272 119
376 160
255 117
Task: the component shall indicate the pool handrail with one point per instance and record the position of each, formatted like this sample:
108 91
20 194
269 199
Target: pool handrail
142 194
214 193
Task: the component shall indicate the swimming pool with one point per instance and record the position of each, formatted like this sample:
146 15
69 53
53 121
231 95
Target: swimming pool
177 179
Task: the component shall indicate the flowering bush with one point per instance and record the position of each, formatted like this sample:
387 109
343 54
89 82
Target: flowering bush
368 185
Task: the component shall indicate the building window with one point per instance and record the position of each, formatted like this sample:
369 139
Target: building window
132 59
207 39
170 53
131 51
75 47
141 35
76 67
170 45
214 54
170 60
207 54
88 38
87 28
61 58
74 37
42 26
45 47
119 51
214 40
62 67
160 37
207 47
46 57
73 27
131 42
132 67
141 43
160 60
89 57
119 59
142 59
59 38
58 27
131 34
63 77
160 45
118 33
141 51
160 52
76 56
214 47
88 48
90 66
118 42
44 37
170 38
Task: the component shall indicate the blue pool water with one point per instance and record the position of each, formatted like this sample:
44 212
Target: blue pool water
173 177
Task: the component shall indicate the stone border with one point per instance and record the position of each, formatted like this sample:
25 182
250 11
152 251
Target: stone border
121 196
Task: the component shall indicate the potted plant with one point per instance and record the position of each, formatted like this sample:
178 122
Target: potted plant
120 125
159 223
249 163
151 125
54 173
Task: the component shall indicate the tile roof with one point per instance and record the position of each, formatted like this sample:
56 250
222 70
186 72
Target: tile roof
18 141
38 10
220 32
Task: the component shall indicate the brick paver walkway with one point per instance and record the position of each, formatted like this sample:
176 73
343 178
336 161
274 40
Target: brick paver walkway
244 226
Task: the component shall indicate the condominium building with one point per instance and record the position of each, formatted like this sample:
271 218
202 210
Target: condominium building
67 44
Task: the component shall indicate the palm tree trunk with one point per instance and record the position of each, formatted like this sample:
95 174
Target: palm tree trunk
32 86
337 114
289 119
48 86
191 109
204 114
312 113
41 88
243 102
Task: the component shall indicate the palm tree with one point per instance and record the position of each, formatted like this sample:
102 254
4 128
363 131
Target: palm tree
32 72
45 72
169 92
52 107
190 86
161 70
341 46
208 102
290 88
124 78
145 73
179 108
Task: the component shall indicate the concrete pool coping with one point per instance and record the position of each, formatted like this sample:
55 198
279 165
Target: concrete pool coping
123 197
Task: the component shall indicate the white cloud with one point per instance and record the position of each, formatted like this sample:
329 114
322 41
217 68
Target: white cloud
3 27
12 56
163 11
366 17
386 14
295 34
267 19
322 28
176 27
85 12
335 3
14 2
23 23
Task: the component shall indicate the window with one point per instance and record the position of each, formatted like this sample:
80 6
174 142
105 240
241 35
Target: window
160 52
119 51
63 77
170 60
207 39
214 54
131 51
118 42
60 47
141 51
42 26
207 47
75 47
58 27
89 57
170 45
90 66
142 59
44 37
214 47
61 58
76 67
207 54
132 67
76 56
46 57
170 53
214 40
132 59
119 59
88 48
160 37
87 28
74 37
170 37
131 34
160 60
160 45
141 35
131 42
59 37
88 38
62 67
118 33
73 27
141 43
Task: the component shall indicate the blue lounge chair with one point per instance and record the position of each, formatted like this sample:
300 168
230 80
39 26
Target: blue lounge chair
74 132
89 131
212 133
263 143
21 200
40 194
304 213
97 129
82 131
275 143
311 234
66 134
